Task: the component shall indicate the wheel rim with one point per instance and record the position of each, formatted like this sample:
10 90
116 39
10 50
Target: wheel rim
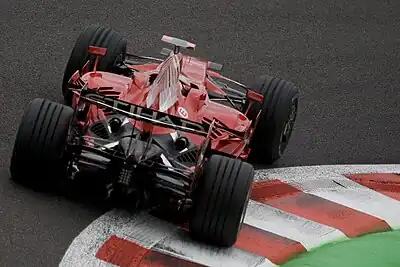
288 127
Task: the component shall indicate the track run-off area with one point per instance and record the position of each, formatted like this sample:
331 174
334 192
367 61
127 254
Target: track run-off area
292 211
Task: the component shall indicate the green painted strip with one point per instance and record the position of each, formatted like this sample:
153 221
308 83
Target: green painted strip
373 250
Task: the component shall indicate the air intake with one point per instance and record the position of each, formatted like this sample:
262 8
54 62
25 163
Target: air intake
100 130
188 156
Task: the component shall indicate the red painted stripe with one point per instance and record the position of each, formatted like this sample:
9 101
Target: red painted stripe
385 183
277 249
290 199
124 253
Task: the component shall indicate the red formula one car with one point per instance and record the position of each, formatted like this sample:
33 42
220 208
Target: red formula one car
155 132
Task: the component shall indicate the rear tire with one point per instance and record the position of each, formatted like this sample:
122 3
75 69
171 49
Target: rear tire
276 121
220 201
94 35
38 155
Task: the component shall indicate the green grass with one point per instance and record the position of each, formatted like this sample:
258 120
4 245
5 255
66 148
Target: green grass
372 250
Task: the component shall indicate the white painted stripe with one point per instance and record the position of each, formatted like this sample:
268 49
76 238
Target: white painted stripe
82 251
330 184
151 233
182 246
309 233
145 230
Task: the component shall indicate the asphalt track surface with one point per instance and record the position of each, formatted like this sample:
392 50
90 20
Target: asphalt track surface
343 54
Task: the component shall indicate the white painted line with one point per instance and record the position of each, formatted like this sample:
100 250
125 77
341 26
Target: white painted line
309 233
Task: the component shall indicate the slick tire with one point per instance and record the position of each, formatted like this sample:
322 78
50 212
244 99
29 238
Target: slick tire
276 121
93 35
220 201
38 154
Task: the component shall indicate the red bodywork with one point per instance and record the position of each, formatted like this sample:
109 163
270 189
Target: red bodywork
195 105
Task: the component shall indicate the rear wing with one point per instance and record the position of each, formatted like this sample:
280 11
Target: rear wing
148 115
178 43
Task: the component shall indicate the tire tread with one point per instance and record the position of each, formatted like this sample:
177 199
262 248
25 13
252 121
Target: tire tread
220 199
39 143
266 139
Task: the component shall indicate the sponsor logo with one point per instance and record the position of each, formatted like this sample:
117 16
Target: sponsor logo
183 112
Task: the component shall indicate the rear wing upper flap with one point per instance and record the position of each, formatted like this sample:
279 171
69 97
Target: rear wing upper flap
154 117
178 42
